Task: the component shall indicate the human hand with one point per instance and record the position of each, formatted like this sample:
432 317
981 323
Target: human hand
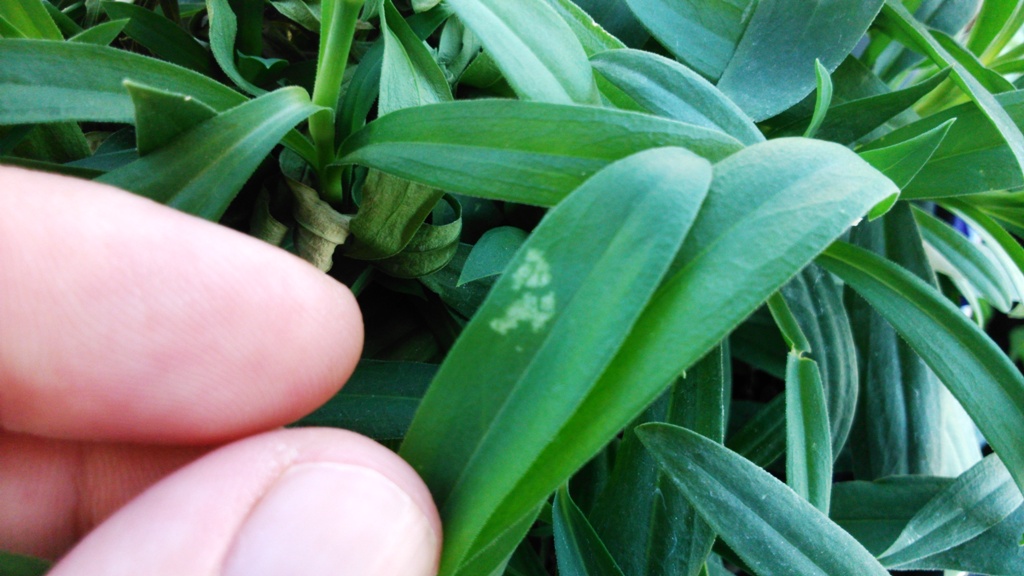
133 340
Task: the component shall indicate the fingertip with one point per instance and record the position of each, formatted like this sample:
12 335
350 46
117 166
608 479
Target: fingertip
128 321
310 501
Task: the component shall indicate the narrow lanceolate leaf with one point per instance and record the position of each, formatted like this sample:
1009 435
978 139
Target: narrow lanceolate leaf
646 523
770 528
700 33
538 54
591 35
793 177
848 120
822 100
808 445
816 300
578 548
667 88
981 271
162 116
773 67
409 74
903 160
201 171
979 499
971 366
591 289
787 323
897 430
38 82
876 513
492 253
100 34
161 36
527 152
223 31
973 158
898 20
1003 246
30 19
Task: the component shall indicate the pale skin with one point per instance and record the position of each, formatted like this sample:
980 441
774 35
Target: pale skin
147 362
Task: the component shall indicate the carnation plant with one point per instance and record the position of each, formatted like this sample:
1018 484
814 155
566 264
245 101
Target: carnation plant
652 287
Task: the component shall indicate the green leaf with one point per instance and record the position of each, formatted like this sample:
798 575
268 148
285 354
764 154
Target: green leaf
822 101
990 80
591 35
773 66
876 512
535 49
410 76
897 20
30 19
900 418
979 499
506 150
578 548
994 16
379 400
100 34
492 253
666 88
592 289
808 444
849 120
223 32
647 524
161 36
1006 250
700 33
770 528
815 298
971 366
984 274
302 12
162 116
616 17
201 171
793 177
35 85
19 565
902 161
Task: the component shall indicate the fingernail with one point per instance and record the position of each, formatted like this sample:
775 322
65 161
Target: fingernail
334 519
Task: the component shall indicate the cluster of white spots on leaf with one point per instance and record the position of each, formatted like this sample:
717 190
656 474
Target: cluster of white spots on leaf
534 272
530 308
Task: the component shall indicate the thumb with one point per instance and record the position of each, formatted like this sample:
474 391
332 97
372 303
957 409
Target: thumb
304 501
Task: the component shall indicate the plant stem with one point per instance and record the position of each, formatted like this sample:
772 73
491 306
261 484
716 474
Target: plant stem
337 28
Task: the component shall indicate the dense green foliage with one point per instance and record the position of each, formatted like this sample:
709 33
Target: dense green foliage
652 287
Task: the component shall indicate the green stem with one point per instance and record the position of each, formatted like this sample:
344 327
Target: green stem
337 28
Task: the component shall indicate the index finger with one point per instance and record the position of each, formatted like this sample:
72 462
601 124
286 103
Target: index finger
124 320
